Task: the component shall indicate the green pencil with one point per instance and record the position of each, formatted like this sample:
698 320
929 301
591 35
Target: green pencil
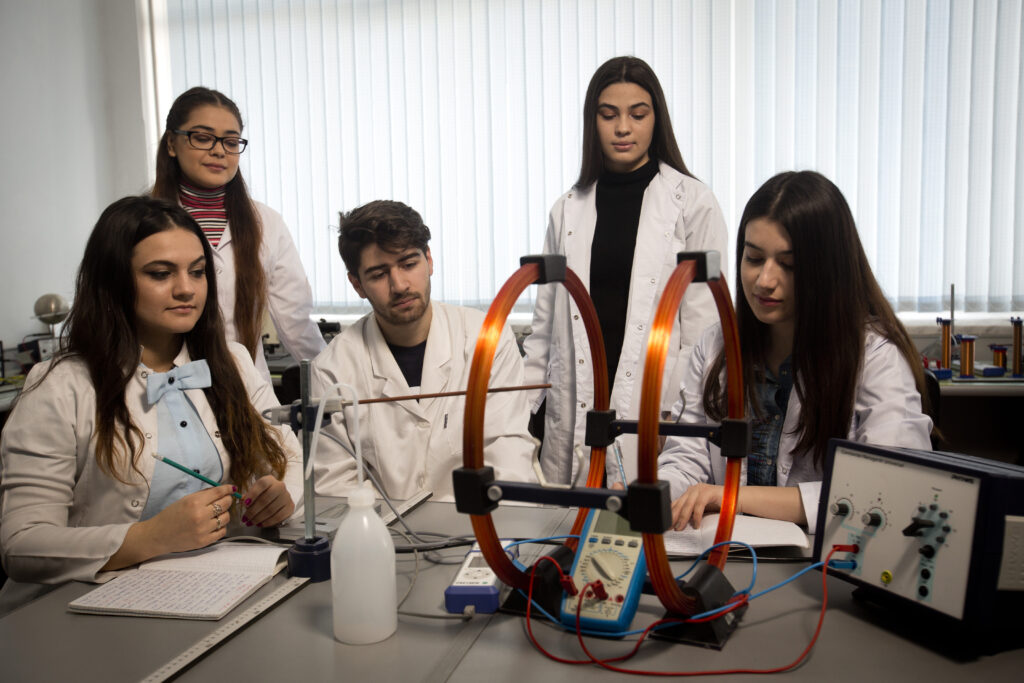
195 474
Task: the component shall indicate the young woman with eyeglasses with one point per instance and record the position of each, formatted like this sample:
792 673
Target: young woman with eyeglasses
259 267
633 208
144 370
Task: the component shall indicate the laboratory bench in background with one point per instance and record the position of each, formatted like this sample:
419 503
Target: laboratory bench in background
983 418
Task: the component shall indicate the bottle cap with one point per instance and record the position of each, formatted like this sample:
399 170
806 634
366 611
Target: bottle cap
360 498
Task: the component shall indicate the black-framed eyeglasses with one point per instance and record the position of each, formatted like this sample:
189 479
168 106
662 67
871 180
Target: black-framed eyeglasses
200 139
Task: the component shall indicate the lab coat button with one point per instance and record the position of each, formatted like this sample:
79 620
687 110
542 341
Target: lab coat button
640 327
144 374
568 196
678 196
570 232
219 271
183 424
576 317
135 503
583 404
216 434
581 361
148 435
653 281
628 373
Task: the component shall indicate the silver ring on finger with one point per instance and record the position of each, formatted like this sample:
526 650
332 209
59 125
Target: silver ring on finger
217 509
220 524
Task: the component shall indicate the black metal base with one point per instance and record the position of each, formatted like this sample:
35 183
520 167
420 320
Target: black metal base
310 557
547 591
711 590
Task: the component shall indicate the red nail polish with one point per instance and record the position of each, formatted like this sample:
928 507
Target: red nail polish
245 519
248 501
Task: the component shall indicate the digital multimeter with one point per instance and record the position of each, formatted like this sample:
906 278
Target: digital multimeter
612 552
476 583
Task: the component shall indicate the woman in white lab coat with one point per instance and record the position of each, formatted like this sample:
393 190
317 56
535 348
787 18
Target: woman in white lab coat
633 208
144 369
254 255
823 356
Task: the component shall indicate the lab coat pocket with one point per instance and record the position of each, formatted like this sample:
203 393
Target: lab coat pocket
452 425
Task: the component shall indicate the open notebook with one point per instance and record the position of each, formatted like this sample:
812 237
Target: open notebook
200 584
755 531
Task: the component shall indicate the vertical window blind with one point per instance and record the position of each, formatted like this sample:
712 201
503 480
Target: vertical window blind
470 112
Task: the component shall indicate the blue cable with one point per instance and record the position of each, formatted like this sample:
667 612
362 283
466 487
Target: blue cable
753 557
790 579
515 560
702 615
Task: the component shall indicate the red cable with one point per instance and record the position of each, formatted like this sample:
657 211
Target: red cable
604 663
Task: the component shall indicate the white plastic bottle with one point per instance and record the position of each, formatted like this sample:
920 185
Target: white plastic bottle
363 575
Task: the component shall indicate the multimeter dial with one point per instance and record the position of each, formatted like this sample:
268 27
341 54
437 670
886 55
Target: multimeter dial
608 565
612 553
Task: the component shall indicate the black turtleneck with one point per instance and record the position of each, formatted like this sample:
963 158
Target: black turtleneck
619 199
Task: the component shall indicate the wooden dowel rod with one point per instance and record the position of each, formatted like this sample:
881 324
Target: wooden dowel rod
445 394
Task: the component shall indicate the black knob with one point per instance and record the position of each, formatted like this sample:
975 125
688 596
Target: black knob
916 525
928 551
940 540
922 591
933 506
943 515
926 574
946 528
840 509
871 519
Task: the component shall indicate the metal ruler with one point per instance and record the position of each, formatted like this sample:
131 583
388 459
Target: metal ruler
225 631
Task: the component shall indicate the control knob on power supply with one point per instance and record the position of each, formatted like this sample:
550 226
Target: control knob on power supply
871 518
840 508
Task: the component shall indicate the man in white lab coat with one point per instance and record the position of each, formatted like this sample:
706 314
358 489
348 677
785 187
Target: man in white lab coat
409 345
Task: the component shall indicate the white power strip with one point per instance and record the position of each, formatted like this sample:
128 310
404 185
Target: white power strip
225 631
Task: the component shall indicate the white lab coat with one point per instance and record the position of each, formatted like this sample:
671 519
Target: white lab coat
678 214
886 412
61 516
415 445
289 297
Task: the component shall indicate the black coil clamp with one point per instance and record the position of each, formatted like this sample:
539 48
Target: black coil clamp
709 264
470 487
551 267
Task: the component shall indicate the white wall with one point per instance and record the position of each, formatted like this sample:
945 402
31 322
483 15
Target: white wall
72 141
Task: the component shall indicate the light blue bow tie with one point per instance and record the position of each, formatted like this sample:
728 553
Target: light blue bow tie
194 375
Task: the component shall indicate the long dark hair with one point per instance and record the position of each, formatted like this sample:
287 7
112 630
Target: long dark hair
663 143
100 330
245 226
837 299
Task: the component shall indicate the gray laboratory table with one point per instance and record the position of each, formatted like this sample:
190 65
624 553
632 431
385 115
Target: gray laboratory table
43 642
